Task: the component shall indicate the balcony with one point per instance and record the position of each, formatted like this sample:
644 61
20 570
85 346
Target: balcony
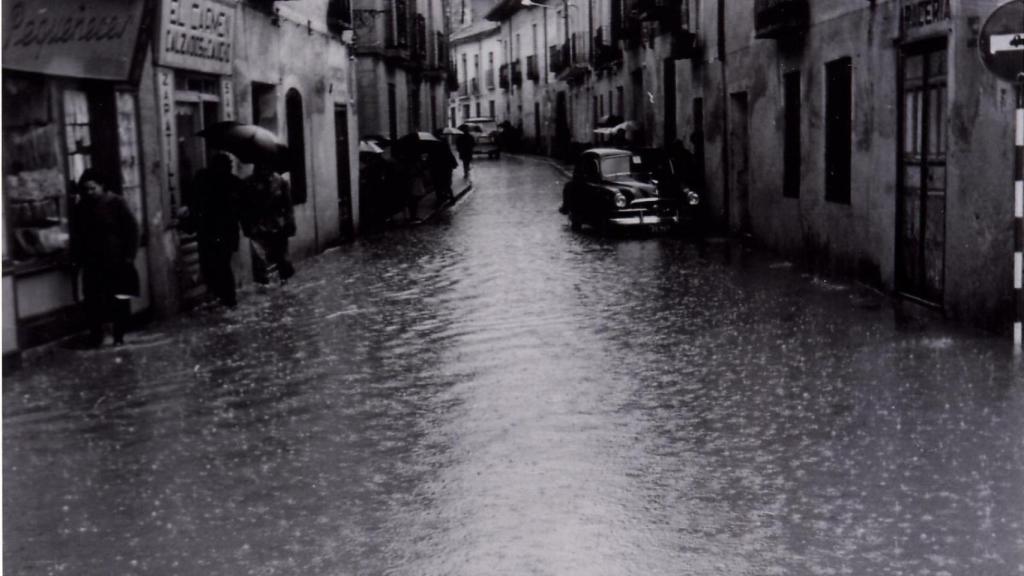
781 18
653 10
605 54
532 73
474 86
633 32
489 78
339 16
463 90
517 73
558 56
685 45
503 80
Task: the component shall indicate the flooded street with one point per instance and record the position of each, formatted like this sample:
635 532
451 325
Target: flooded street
492 393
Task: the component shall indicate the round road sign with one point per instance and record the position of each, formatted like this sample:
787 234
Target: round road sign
1002 41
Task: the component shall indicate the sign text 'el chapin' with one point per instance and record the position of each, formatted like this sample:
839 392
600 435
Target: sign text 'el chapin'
197 35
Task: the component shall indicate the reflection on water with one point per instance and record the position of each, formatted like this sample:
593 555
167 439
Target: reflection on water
495 394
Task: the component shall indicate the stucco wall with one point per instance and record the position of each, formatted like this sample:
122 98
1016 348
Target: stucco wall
266 53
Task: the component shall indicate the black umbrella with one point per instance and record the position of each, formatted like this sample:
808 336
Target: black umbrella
250 143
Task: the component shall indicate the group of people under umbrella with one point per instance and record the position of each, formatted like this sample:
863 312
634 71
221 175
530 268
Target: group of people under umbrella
105 233
217 204
397 175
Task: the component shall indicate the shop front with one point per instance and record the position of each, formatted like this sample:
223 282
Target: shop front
70 89
193 63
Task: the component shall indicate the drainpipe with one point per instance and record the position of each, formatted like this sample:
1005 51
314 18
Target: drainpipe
726 140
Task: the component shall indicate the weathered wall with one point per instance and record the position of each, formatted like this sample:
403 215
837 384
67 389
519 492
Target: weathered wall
266 53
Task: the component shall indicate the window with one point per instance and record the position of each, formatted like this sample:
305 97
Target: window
478 109
791 144
615 165
296 145
35 201
491 108
838 129
264 105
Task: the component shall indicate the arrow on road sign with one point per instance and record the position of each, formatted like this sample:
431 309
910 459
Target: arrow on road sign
1005 43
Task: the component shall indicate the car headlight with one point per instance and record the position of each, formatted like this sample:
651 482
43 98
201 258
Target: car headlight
692 198
620 199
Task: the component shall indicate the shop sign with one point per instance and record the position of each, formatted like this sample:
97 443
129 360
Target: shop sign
168 133
196 35
919 17
81 39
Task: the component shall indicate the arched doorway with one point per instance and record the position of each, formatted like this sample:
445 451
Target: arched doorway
296 144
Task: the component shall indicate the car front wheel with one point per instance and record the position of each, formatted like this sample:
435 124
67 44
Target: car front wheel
574 222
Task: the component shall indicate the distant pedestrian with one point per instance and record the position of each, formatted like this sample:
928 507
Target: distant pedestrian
268 220
465 143
215 217
105 237
441 162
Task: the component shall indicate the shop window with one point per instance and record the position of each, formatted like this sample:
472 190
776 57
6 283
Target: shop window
296 145
838 129
791 144
35 181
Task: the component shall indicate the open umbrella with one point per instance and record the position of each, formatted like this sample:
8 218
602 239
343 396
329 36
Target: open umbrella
419 137
369 147
378 139
250 143
627 126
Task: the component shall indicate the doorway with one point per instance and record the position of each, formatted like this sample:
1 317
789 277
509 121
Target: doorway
561 126
197 105
341 154
921 202
737 207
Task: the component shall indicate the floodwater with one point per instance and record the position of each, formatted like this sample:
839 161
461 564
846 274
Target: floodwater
491 393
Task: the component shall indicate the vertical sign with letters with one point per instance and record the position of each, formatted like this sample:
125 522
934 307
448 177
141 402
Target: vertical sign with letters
168 135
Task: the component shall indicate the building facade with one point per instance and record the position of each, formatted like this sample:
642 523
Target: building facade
125 87
865 139
402 65
477 60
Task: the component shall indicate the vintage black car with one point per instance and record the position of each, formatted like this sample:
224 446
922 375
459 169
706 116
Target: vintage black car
608 190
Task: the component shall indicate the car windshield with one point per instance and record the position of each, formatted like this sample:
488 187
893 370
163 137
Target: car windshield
615 166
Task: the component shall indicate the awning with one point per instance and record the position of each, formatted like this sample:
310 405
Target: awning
80 39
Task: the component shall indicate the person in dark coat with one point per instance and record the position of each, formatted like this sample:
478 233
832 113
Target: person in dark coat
105 237
268 219
441 162
465 143
215 216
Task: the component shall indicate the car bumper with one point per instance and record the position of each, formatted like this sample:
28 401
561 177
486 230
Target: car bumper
631 220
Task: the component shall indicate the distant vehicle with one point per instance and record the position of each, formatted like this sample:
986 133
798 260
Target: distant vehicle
607 191
485 133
